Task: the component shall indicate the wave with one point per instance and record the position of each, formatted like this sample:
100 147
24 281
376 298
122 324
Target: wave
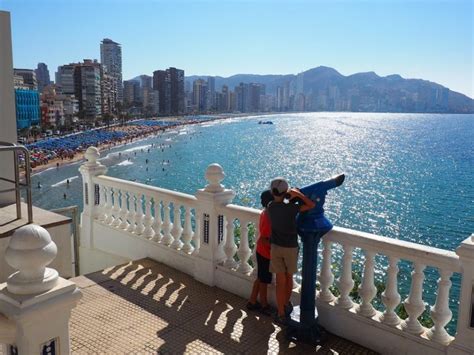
125 163
62 182
137 148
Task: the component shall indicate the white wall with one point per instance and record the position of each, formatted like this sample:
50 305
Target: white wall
7 104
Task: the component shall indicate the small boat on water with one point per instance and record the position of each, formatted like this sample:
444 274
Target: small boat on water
265 122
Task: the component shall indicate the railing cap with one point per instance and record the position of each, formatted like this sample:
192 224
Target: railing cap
214 175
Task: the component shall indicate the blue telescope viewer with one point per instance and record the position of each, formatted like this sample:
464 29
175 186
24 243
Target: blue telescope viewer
312 226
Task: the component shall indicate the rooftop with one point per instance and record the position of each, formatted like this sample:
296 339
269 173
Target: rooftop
147 307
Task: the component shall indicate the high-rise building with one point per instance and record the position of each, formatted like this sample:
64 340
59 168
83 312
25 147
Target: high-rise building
111 59
87 82
108 92
29 77
300 83
131 92
170 85
65 79
200 93
211 87
42 76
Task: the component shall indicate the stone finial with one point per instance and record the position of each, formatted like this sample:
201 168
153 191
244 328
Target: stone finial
29 251
91 155
214 175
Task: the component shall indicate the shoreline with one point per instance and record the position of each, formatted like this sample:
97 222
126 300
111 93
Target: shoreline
146 133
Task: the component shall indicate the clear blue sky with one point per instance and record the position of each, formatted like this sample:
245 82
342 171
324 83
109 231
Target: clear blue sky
427 39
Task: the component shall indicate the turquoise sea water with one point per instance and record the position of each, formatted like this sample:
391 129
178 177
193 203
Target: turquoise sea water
408 176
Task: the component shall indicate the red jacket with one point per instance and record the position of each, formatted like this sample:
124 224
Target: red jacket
265 229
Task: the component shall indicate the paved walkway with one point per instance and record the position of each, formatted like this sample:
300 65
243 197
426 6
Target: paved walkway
145 307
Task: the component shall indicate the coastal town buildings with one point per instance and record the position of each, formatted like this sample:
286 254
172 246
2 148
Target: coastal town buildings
87 83
111 59
29 78
42 76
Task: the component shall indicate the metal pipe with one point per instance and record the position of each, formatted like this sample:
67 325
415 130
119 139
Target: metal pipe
17 187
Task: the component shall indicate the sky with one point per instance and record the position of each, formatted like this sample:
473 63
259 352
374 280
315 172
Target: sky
427 39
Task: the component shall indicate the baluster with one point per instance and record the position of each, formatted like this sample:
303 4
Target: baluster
102 203
253 257
123 210
140 215
187 235
244 251
326 278
157 221
177 228
110 206
116 209
367 289
440 313
148 232
230 248
391 297
197 231
167 225
414 304
132 213
345 282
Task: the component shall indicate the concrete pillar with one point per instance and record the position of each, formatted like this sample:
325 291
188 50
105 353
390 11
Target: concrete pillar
35 303
7 106
91 195
212 224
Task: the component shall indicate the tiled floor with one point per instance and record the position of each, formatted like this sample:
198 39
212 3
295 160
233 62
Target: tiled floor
145 307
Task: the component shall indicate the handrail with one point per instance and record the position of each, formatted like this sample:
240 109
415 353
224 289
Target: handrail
15 148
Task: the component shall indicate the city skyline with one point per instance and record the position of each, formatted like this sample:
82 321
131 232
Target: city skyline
414 39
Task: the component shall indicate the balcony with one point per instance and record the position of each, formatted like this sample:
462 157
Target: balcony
187 270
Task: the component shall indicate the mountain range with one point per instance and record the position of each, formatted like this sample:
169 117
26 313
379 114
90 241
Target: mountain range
325 88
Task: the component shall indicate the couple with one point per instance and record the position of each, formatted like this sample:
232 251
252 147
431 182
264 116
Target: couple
278 254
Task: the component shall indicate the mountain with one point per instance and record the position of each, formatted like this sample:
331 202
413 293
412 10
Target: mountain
327 89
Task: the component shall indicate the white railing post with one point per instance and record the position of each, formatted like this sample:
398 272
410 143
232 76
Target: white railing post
345 282
440 312
157 220
148 232
92 195
209 198
367 289
116 210
187 234
132 214
244 251
390 297
140 216
177 229
414 304
230 248
167 225
123 210
103 203
35 303
464 341
326 278
110 215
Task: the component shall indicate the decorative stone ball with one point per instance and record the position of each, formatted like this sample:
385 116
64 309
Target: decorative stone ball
29 251
214 175
92 154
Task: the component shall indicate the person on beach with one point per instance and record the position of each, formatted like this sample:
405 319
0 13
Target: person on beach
264 276
282 211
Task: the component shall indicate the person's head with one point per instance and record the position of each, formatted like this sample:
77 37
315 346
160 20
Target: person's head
279 188
265 198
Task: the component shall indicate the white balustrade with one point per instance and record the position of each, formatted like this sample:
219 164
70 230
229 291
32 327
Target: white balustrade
116 210
391 297
367 289
123 210
140 216
132 213
414 304
177 228
345 282
167 225
244 251
102 203
110 206
148 232
326 277
230 247
157 221
187 234
440 312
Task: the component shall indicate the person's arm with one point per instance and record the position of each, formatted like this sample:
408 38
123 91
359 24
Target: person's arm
307 202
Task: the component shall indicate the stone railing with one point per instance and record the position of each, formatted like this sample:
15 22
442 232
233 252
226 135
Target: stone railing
198 235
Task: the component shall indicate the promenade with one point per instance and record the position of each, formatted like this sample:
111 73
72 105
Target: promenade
145 307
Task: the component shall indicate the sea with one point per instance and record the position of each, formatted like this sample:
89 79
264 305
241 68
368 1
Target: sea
408 176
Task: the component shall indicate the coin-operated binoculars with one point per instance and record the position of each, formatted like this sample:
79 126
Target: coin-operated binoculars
312 226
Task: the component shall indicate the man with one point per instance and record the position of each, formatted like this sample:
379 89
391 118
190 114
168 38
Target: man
284 241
